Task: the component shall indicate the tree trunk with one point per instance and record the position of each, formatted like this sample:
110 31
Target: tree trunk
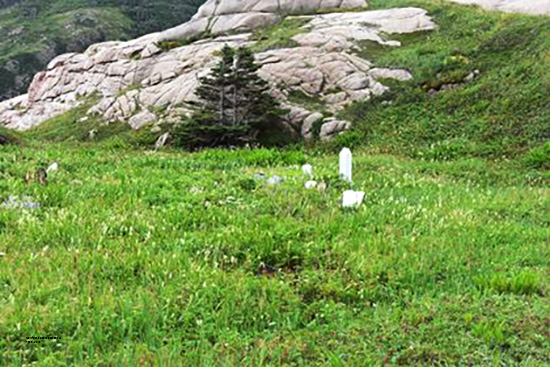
235 105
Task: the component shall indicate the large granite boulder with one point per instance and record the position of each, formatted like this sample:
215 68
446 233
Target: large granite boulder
217 17
531 7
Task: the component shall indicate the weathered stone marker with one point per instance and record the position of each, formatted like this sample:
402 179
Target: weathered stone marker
346 165
52 168
307 169
352 198
311 184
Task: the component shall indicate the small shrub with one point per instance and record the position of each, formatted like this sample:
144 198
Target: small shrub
491 332
349 139
9 137
247 184
115 143
538 157
445 150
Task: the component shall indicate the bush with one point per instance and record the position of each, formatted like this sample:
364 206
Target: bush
8 137
538 157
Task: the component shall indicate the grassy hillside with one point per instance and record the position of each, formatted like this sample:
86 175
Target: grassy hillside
9 137
32 32
481 87
504 111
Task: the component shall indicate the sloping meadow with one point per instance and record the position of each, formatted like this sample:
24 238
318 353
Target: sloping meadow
144 258
168 258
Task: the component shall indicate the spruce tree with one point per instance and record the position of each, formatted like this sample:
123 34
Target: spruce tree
213 89
235 103
255 106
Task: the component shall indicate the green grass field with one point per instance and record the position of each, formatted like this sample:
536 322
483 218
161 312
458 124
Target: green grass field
142 258
139 257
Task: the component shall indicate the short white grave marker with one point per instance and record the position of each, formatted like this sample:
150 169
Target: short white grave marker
307 169
346 165
53 167
352 198
311 184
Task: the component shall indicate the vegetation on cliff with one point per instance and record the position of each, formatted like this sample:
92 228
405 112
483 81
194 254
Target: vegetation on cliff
35 31
481 87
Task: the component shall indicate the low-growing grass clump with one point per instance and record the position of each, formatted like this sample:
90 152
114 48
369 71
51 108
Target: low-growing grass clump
280 35
8 136
162 257
538 157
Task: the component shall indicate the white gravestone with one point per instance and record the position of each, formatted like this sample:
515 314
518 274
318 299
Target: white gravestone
345 165
352 198
53 167
311 184
307 169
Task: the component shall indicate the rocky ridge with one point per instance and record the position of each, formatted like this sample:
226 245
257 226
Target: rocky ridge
532 7
134 80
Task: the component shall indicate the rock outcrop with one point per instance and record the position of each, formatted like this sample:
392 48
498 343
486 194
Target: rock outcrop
531 7
217 17
135 80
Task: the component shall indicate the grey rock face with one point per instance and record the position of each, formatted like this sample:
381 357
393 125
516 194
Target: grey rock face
141 119
332 127
220 16
161 141
532 7
135 77
309 122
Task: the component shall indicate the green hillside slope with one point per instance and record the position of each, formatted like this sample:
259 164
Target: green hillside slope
141 257
32 32
481 86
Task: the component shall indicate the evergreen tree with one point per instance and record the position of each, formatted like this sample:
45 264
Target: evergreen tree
253 105
213 89
235 104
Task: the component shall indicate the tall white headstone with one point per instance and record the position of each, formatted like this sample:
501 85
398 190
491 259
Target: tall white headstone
345 164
